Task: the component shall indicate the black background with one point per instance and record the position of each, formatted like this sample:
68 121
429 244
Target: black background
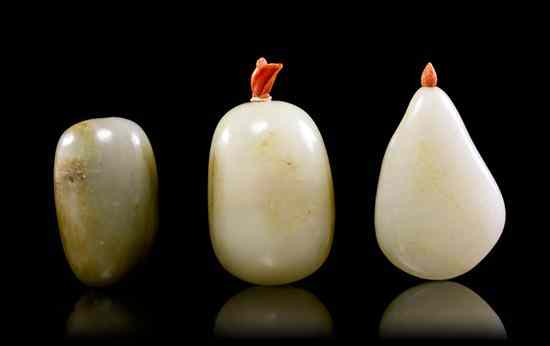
178 81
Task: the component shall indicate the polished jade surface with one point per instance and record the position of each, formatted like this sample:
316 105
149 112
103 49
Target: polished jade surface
106 197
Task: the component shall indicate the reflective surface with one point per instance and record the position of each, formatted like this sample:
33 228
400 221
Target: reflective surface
273 312
97 316
440 310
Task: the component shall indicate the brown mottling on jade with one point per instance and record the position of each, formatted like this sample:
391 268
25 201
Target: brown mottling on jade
106 196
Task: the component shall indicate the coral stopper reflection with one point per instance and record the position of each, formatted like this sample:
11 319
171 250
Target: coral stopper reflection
273 312
99 317
440 310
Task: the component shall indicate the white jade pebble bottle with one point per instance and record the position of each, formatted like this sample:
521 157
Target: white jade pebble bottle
438 209
270 193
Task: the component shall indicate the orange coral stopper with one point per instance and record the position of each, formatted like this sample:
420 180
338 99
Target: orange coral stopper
429 77
263 78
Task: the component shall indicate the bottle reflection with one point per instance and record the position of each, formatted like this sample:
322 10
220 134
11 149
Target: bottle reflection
97 316
273 312
440 310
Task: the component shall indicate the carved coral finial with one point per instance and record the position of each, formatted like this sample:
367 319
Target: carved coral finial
263 78
429 77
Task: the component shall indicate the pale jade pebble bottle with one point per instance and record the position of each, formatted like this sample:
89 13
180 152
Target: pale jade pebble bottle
105 180
438 209
270 192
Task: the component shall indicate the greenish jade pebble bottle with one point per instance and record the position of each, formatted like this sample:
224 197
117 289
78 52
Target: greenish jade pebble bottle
106 198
